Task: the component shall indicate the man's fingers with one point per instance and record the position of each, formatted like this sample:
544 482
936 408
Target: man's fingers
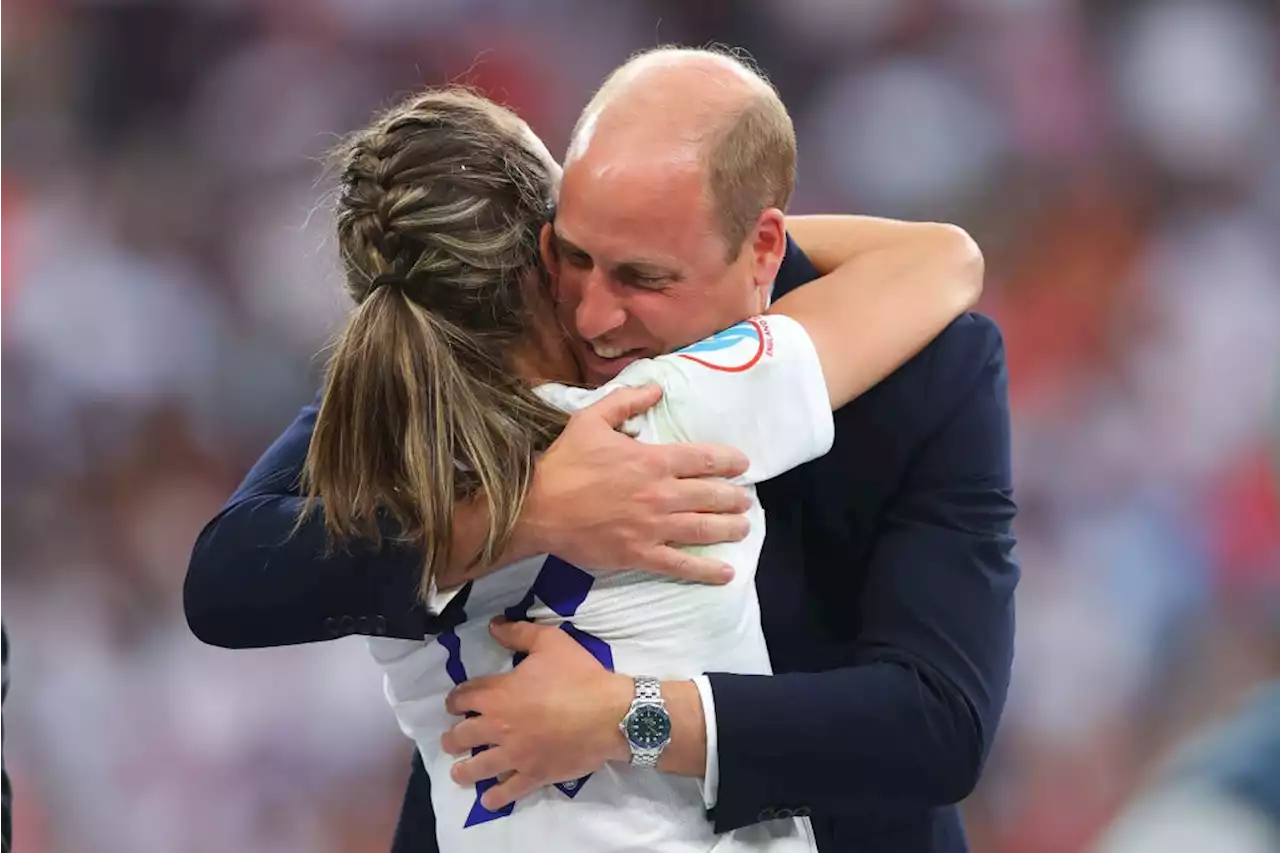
703 528
618 406
517 636
505 793
697 495
469 695
482 765
675 563
472 732
703 460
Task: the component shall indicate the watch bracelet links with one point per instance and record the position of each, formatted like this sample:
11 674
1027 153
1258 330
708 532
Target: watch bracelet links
648 689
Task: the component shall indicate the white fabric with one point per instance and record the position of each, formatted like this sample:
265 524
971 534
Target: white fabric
757 386
710 775
438 600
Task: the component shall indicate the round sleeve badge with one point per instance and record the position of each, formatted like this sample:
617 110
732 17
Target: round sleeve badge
731 350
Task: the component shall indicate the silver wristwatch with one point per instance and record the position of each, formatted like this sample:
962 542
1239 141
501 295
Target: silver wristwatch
647 725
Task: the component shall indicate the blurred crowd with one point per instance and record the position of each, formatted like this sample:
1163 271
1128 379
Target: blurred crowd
169 285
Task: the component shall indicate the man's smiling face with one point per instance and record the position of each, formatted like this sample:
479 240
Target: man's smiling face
642 269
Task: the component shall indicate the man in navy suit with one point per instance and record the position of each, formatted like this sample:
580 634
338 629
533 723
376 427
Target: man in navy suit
886 582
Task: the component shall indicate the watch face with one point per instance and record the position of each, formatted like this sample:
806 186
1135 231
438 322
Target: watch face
648 727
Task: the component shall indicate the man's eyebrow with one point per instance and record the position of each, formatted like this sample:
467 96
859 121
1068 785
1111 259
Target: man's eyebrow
647 268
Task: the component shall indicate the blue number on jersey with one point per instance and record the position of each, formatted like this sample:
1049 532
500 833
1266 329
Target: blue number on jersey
562 587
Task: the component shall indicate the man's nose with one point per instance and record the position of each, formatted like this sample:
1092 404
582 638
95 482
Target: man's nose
599 311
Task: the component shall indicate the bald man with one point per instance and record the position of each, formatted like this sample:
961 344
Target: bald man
647 265
886 582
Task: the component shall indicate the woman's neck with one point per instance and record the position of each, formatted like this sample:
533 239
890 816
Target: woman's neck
544 355
538 365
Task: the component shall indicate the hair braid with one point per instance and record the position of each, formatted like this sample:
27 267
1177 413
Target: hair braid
446 194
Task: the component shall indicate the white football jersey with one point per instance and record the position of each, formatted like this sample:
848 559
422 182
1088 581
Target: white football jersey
757 386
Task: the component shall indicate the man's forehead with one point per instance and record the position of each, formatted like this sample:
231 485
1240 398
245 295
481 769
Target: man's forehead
619 248
639 146
628 200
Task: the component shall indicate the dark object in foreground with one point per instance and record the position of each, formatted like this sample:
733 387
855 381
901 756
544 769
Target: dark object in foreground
5 789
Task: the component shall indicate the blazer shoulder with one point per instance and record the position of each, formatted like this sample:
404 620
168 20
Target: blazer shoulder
933 384
968 344
961 352
967 358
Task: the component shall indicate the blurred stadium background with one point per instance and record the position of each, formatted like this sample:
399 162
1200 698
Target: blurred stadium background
168 280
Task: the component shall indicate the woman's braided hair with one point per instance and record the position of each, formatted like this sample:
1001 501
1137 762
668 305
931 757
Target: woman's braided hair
441 205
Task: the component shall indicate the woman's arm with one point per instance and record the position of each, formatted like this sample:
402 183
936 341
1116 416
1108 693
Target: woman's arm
890 287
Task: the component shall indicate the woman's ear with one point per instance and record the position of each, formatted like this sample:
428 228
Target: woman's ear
546 247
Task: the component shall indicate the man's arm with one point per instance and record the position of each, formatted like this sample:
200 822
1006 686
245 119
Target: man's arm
253 582
259 578
909 724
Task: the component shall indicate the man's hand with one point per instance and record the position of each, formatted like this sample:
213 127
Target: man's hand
551 719
604 501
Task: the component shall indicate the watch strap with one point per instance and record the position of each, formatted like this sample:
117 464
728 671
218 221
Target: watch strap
648 691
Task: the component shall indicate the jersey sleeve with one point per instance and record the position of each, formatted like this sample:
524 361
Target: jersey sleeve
756 386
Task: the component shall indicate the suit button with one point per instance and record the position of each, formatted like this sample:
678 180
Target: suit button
380 625
803 811
347 625
362 625
766 814
331 627
784 814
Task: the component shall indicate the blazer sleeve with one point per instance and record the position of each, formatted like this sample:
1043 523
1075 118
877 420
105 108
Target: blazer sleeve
908 723
254 581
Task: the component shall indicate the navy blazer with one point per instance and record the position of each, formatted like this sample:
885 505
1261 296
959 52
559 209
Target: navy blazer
886 591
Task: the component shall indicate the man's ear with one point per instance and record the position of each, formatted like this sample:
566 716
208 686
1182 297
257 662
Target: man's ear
767 243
